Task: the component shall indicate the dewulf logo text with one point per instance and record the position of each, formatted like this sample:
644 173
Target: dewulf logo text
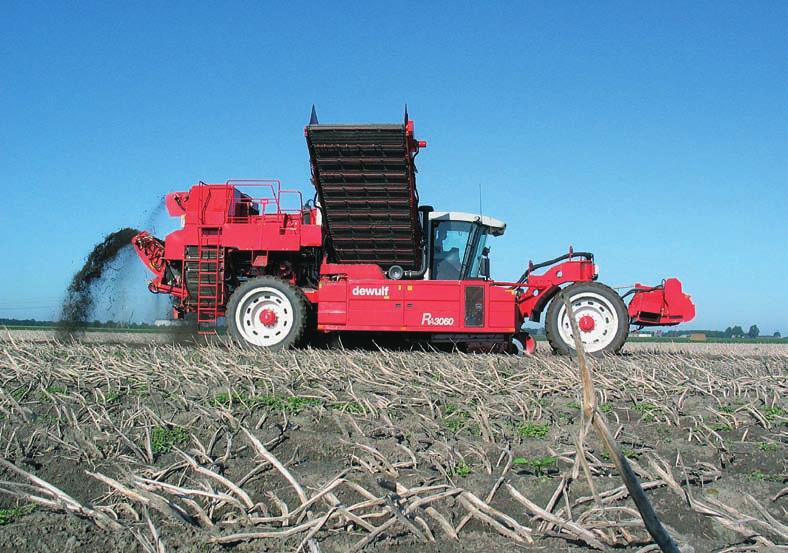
361 291
428 320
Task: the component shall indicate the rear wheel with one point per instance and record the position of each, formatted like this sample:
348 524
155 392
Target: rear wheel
601 316
267 312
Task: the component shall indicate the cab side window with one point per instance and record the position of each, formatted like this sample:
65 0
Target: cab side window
450 238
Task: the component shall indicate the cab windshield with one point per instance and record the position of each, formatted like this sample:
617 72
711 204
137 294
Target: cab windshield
457 249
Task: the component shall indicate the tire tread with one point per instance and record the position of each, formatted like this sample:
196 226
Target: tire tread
301 310
551 318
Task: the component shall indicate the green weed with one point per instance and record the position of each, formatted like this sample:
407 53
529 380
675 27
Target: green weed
462 469
20 394
50 391
9 515
455 418
290 404
164 439
296 403
772 413
762 476
538 464
721 427
113 396
225 399
647 411
768 446
533 430
630 453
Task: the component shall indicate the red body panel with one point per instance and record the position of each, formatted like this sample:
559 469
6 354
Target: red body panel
265 233
663 305
413 306
223 206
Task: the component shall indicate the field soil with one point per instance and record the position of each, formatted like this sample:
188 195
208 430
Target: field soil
186 335
159 447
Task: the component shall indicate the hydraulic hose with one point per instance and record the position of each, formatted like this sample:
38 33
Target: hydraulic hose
641 290
587 255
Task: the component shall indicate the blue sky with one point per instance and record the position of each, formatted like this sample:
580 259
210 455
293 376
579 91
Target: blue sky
653 134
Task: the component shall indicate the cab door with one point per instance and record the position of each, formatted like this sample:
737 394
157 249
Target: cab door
433 306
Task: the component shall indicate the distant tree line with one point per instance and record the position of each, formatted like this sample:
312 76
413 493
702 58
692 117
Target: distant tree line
730 332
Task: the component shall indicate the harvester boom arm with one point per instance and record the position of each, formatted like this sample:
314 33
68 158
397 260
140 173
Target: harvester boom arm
662 305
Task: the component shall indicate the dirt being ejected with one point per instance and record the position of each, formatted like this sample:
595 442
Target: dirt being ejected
79 301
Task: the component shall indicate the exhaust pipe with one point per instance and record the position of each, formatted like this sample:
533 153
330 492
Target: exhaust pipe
426 241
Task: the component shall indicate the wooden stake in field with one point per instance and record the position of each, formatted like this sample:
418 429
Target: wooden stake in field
590 412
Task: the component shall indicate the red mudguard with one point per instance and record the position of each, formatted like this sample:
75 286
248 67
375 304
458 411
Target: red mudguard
661 305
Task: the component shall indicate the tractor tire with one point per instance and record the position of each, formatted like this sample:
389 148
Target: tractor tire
601 314
267 312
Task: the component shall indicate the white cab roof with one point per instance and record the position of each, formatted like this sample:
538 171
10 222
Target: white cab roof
497 227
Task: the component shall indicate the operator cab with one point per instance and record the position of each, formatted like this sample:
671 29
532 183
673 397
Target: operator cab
459 250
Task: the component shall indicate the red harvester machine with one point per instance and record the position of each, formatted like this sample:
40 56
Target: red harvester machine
363 256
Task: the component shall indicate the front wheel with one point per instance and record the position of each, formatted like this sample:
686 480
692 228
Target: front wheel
601 316
267 312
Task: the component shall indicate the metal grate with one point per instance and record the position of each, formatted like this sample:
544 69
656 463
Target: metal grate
365 179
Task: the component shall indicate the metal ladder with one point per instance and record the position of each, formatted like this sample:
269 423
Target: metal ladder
210 278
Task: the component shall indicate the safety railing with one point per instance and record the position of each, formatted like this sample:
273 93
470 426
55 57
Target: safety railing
275 200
